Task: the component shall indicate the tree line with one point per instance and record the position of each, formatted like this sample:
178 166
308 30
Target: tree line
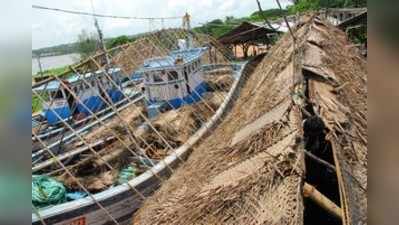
86 44
306 5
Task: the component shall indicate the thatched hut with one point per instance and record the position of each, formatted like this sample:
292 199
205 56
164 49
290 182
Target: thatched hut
292 150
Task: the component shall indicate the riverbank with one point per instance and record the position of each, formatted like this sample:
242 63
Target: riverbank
54 62
51 72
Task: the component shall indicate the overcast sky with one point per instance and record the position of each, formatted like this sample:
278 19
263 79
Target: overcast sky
53 28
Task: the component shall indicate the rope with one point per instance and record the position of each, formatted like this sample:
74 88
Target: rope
126 174
47 191
104 16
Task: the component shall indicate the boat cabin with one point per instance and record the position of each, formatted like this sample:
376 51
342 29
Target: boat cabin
175 79
58 100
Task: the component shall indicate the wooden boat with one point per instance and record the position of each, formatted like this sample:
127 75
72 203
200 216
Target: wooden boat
121 201
60 101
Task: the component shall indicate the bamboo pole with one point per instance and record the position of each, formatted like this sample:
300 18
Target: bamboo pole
317 159
311 192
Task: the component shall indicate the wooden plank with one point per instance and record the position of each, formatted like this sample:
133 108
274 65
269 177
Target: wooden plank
69 154
272 116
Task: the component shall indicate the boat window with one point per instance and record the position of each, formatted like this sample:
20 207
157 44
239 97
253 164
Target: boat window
157 78
115 77
86 85
57 94
104 81
82 85
172 75
100 82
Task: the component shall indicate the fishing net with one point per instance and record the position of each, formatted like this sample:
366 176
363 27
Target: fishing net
126 174
47 191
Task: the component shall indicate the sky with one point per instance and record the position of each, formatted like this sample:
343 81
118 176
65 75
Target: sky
52 28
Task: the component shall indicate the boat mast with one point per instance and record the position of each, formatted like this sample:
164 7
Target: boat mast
38 55
100 37
187 27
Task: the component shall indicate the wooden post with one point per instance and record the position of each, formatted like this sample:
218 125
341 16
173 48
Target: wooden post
216 56
235 50
211 55
311 192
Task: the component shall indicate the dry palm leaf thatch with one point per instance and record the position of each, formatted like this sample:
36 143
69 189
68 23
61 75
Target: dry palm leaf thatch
158 44
340 100
133 56
251 169
130 115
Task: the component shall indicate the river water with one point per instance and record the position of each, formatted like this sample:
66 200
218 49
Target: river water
51 62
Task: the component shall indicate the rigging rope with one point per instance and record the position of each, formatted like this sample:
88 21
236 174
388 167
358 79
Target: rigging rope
104 16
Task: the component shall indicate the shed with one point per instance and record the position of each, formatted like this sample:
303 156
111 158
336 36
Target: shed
248 34
358 20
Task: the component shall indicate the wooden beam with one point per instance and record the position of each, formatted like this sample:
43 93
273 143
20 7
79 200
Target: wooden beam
317 159
69 154
311 192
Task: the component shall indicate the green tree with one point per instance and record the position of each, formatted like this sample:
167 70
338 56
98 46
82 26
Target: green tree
86 44
229 19
269 14
216 22
216 27
117 41
305 5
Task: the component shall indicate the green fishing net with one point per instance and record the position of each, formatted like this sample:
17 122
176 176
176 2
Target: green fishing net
47 191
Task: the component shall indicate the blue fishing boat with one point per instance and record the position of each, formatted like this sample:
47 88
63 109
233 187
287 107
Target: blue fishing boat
120 201
174 80
61 104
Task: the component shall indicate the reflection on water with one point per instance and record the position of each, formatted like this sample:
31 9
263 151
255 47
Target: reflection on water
54 62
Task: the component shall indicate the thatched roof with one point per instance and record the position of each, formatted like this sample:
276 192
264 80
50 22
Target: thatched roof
360 19
247 32
160 44
251 169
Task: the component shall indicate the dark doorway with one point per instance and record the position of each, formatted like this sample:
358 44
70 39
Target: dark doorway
187 85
